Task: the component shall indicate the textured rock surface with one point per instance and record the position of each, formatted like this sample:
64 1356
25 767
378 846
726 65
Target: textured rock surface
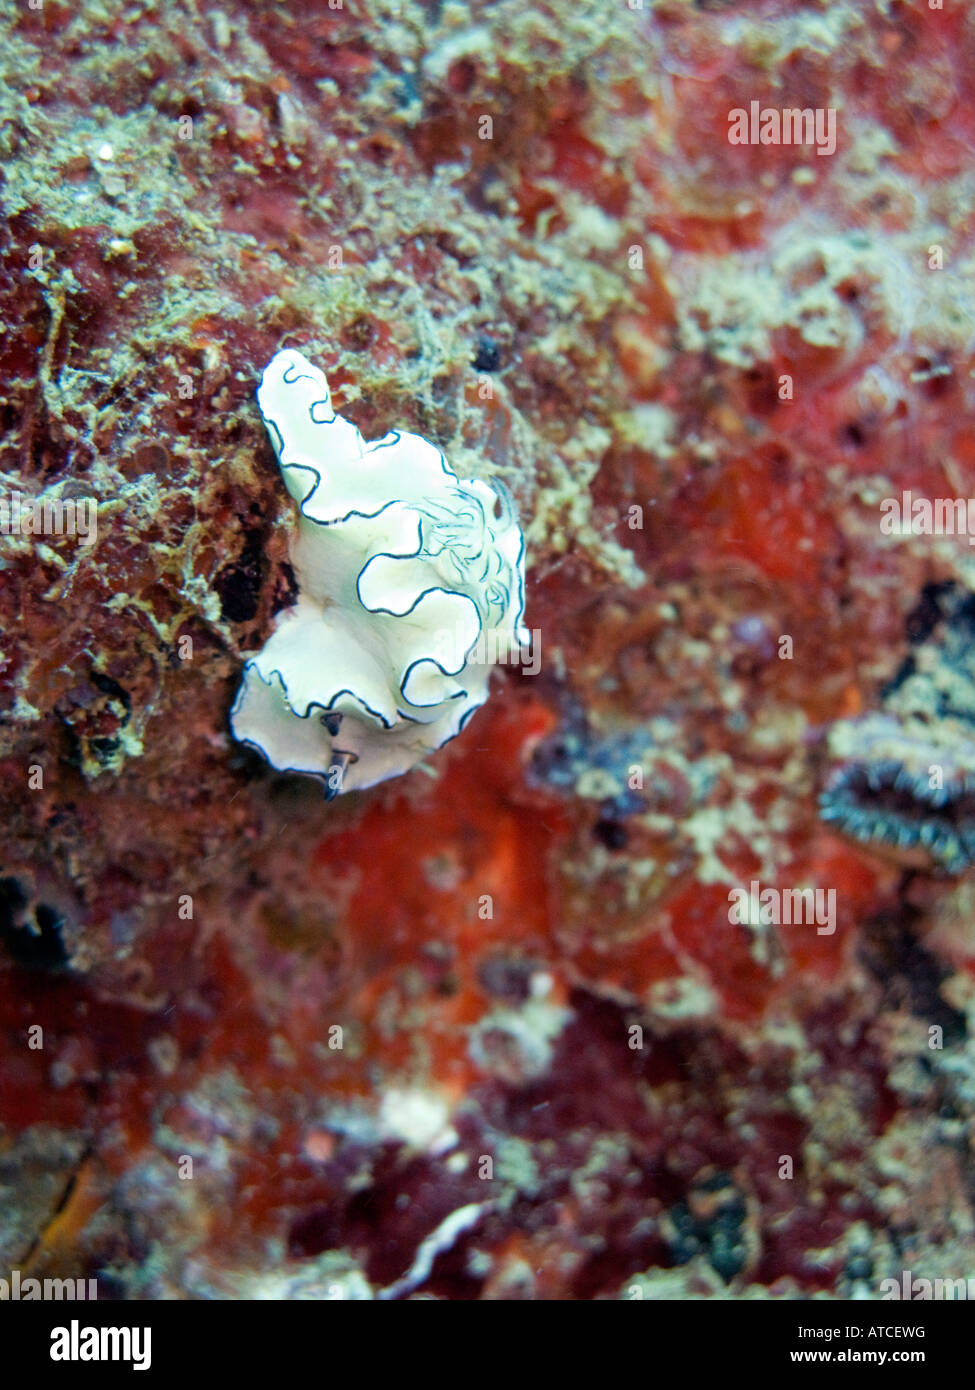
521 233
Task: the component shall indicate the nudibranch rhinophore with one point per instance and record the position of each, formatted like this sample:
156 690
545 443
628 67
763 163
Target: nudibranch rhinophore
411 585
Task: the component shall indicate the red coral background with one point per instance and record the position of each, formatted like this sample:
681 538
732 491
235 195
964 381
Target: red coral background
283 1040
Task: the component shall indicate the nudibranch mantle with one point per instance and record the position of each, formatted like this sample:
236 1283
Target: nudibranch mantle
411 585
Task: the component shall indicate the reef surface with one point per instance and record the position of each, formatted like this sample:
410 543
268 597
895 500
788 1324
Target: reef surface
489 1031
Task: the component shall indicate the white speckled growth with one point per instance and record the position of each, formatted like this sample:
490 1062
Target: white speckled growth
410 587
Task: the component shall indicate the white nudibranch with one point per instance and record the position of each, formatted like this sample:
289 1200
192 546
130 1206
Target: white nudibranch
411 585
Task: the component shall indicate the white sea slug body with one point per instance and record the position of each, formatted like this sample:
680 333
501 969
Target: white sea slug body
410 587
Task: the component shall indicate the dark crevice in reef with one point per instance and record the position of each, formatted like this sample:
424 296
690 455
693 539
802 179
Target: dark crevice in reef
238 584
908 973
951 609
286 590
32 942
112 689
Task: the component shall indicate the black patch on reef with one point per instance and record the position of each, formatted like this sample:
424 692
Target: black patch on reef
72 754
610 829
104 747
112 689
945 614
286 592
238 584
31 944
611 834
910 975
487 357
930 611
13 900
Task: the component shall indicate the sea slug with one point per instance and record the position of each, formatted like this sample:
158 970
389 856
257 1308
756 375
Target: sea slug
411 585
